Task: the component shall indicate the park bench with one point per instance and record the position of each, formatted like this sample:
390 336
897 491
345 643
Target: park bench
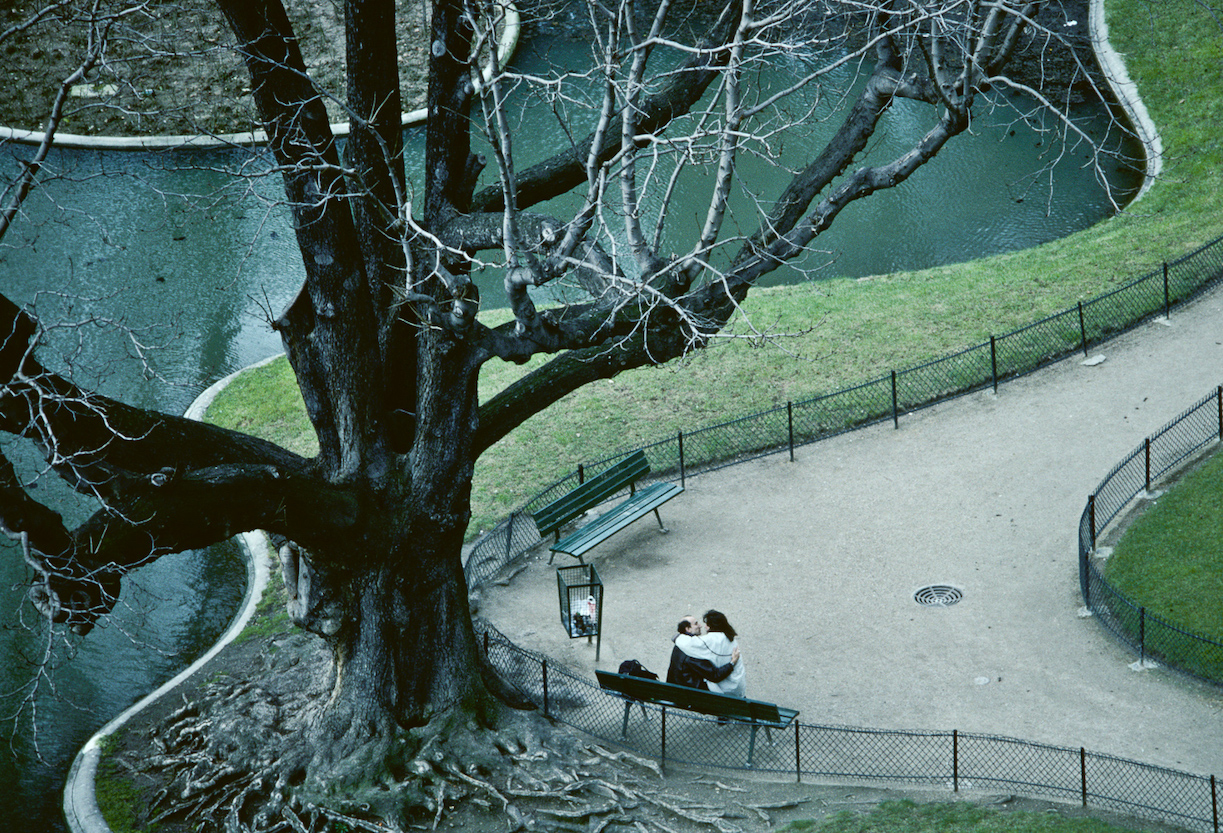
595 491
755 713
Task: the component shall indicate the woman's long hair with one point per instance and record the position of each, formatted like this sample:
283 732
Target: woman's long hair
716 621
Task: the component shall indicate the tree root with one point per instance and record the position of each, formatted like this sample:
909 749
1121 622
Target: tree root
239 759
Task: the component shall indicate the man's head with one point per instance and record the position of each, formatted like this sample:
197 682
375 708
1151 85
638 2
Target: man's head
689 625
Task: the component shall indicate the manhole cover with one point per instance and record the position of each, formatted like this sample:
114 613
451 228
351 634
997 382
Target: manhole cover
938 595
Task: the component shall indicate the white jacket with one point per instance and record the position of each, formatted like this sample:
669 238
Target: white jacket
715 647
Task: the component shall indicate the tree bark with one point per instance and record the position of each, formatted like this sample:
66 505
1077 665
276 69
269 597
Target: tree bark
388 593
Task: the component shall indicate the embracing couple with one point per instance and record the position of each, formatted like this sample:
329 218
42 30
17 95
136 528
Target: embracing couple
706 655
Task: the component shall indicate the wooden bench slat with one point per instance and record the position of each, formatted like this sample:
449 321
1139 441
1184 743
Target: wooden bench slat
754 713
642 503
697 700
597 489
594 491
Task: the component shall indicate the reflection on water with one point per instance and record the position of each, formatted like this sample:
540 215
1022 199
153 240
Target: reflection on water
165 267
171 612
161 268
1009 183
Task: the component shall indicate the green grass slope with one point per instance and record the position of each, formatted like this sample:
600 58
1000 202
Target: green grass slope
854 330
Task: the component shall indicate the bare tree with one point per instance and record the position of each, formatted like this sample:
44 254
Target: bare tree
386 339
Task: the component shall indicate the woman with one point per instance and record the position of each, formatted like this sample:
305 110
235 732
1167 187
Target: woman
719 644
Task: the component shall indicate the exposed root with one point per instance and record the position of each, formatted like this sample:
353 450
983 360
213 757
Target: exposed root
240 757
628 756
541 779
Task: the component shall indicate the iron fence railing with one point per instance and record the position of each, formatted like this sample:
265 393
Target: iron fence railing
798 423
949 760
1163 452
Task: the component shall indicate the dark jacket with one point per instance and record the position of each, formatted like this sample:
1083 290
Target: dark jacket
685 670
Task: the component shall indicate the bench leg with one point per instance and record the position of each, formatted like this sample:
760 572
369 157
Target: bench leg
624 728
751 746
660 526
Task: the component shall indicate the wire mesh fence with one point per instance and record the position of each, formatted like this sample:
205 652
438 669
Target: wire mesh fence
1163 452
798 423
943 378
952 760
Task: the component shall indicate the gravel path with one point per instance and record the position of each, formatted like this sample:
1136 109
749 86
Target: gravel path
816 563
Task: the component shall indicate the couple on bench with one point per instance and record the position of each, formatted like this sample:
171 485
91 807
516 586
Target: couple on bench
706 656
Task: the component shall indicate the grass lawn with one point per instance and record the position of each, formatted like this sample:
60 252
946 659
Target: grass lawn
1170 560
865 328
949 817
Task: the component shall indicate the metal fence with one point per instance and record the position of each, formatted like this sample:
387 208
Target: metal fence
939 759
797 423
948 760
1151 636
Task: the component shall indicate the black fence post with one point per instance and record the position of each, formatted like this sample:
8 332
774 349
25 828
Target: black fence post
955 760
509 538
663 743
681 458
1142 637
545 671
1082 330
895 405
1147 444
1085 577
798 761
1083 772
993 360
1167 305
790 424
486 644
1214 803
1091 508
581 474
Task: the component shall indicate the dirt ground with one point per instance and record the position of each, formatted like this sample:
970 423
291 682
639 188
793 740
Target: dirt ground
740 801
174 72
817 563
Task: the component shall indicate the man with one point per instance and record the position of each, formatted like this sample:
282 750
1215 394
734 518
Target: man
690 671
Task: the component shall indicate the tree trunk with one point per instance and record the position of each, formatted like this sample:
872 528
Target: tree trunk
404 654
394 607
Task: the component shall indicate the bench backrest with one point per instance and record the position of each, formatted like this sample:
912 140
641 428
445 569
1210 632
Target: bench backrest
591 493
693 699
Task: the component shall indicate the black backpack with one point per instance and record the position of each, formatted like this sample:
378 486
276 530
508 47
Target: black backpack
633 668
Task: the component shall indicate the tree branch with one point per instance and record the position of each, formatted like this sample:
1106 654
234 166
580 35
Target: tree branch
334 314
683 88
165 483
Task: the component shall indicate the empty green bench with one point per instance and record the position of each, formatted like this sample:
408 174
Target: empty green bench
595 491
755 713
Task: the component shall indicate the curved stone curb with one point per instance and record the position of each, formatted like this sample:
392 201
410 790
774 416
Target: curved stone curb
76 141
1126 92
80 800
505 50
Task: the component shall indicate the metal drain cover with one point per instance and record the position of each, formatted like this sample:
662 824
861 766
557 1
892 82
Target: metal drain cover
938 595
